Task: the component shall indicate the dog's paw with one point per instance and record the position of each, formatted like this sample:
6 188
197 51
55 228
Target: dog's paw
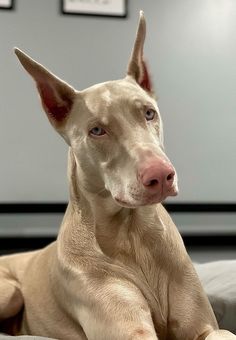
221 335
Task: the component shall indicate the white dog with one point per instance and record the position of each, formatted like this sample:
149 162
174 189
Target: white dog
119 269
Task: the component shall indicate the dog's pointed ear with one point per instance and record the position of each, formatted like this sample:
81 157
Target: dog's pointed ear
57 96
137 67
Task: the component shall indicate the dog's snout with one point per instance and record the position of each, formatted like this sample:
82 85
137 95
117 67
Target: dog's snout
157 175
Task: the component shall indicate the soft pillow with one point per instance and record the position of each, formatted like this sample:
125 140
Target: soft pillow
219 281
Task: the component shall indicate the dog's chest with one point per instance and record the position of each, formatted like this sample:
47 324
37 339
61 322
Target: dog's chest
141 252
139 249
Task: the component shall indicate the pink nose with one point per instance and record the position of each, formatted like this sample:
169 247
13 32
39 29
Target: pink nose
157 174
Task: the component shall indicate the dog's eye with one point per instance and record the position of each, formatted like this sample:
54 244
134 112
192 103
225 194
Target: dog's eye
150 114
97 131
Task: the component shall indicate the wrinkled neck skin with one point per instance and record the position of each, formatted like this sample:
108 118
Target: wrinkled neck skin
95 223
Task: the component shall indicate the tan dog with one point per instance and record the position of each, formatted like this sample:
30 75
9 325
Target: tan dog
119 269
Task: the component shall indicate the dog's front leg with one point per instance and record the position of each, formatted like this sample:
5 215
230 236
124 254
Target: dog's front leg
221 335
113 309
11 299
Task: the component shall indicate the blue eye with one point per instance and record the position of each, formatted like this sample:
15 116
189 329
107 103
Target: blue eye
150 114
97 131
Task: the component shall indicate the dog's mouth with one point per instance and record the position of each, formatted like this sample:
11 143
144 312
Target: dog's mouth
137 203
137 200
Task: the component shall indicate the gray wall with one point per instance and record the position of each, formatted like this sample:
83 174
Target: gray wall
191 49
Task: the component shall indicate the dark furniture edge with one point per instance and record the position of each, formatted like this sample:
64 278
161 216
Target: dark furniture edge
60 207
18 244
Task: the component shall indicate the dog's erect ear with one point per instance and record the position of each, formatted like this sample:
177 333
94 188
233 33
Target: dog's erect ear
56 95
137 67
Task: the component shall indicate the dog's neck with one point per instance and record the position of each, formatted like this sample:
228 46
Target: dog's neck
98 219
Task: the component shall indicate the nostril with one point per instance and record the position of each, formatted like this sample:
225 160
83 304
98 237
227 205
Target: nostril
170 176
153 183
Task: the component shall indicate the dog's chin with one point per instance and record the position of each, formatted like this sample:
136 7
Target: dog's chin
135 203
144 200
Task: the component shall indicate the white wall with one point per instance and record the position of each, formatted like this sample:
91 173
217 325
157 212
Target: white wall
191 49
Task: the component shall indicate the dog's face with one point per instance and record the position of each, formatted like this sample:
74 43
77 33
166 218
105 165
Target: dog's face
114 130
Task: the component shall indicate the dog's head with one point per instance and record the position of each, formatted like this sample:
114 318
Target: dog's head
114 130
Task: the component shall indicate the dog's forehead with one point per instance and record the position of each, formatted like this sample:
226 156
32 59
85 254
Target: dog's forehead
109 96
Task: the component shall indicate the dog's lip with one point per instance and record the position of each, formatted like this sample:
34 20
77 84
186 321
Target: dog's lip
124 203
146 200
136 203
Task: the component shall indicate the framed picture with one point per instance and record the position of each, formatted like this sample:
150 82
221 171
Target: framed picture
109 8
6 4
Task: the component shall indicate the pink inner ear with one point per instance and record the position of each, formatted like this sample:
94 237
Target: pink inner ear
145 81
57 105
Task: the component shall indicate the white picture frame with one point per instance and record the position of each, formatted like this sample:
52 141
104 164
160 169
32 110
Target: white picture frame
109 8
6 4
